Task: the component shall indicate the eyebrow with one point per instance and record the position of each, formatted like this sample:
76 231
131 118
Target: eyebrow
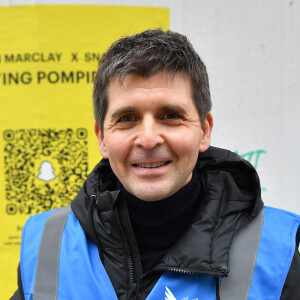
122 110
174 107
129 109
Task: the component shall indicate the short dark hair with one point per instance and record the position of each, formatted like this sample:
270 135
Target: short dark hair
146 54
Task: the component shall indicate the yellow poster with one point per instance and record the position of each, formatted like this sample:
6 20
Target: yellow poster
48 58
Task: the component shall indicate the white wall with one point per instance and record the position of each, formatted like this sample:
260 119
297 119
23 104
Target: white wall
251 49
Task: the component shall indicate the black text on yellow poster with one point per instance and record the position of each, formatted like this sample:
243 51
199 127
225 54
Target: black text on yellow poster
48 58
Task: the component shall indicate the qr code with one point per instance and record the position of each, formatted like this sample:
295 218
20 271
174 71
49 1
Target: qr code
44 168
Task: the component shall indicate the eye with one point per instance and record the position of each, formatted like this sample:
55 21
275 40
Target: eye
127 119
171 116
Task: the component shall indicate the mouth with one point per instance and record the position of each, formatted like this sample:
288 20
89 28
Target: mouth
152 165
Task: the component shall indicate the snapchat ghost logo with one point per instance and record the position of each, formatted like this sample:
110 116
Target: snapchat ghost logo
46 171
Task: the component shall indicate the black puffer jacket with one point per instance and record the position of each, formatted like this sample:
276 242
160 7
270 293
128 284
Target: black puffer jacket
230 198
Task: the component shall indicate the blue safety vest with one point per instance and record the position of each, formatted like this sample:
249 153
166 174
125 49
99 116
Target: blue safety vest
58 261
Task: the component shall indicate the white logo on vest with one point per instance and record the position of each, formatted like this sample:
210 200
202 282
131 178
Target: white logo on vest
169 295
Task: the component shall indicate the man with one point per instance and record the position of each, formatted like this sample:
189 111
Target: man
163 215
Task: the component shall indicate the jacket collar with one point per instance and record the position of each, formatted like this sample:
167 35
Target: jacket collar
230 198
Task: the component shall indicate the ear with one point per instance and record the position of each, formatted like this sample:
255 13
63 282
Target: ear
101 142
206 137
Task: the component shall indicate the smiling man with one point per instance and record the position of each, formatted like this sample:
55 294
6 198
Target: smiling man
152 134
163 215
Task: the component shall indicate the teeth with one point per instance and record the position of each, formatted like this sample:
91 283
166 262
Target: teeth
154 165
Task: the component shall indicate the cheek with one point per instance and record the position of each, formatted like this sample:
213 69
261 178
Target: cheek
186 145
117 147
116 158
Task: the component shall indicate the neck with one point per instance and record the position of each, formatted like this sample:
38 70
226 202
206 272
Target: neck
157 225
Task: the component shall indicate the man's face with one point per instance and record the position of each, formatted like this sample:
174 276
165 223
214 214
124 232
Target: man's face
152 134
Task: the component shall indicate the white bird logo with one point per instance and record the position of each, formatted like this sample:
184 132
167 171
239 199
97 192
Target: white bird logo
169 295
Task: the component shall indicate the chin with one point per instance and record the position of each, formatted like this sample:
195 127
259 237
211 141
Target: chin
152 190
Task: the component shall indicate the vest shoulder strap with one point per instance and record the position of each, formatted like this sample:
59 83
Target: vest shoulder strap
31 238
61 262
260 256
47 267
278 243
242 260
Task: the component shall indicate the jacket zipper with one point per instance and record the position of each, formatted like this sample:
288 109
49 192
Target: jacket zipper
216 275
184 271
126 245
133 280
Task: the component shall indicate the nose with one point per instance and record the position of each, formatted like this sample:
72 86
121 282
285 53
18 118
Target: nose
149 134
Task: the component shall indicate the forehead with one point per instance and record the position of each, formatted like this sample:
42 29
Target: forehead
135 89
